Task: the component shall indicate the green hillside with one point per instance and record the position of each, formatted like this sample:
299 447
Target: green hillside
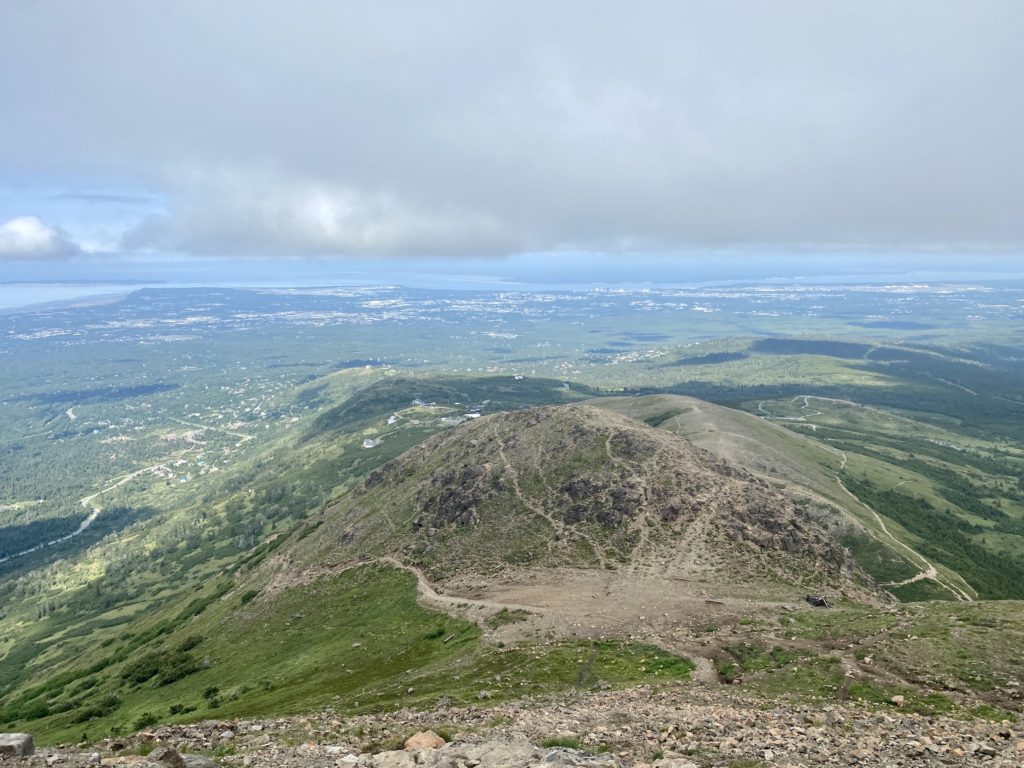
266 564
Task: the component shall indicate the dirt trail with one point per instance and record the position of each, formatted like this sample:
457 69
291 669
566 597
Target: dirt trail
852 404
239 435
118 482
704 670
930 573
591 603
968 390
432 597
692 554
94 513
928 570
84 526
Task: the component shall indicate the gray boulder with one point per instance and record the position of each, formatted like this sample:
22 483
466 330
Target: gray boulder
198 761
166 756
511 754
561 756
16 745
394 759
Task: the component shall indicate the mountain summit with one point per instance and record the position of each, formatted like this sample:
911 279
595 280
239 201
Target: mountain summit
522 495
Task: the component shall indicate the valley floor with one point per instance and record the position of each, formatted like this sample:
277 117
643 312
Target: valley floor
676 727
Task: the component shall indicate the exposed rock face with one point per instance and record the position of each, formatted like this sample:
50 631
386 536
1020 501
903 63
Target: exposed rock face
452 498
16 745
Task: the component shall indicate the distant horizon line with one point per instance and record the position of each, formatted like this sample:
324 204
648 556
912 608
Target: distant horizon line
16 296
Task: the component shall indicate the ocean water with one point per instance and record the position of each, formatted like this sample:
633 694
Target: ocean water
24 295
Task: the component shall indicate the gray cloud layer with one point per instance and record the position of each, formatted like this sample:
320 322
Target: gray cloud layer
328 127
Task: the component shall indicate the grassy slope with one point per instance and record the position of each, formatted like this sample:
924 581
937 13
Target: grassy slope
357 641
940 657
899 461
755 444
933 653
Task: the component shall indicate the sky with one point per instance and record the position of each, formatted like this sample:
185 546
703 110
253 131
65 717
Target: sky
136 132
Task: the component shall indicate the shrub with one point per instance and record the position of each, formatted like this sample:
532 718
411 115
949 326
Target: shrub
569 742
166 667
190 642
145 720
103 707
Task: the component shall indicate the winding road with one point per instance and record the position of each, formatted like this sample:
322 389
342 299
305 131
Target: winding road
94 513
84 526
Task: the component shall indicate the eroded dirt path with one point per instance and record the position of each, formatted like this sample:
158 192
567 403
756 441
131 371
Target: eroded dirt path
431 597
558 526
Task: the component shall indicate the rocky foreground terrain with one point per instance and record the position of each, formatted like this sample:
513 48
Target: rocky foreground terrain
640 727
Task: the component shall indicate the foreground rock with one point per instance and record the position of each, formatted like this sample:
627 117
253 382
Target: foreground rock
492 754
424 740
166 757
675 728
161 757
16 745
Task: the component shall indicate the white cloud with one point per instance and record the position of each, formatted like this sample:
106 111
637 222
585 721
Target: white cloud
263 213
27 237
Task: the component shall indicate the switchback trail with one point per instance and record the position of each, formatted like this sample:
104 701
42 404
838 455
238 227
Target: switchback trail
927 569
556 524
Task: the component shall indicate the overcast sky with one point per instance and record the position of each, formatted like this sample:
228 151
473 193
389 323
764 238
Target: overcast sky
331 128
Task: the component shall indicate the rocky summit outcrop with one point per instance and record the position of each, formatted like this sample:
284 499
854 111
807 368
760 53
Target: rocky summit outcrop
582 487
